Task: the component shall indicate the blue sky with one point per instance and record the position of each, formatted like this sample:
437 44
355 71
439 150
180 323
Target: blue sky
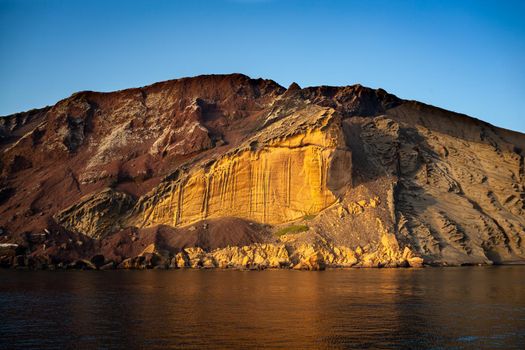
466 56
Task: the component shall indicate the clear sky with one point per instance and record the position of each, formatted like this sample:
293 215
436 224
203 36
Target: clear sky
466 56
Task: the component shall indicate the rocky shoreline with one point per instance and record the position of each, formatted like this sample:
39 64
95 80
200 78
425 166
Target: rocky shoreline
253 257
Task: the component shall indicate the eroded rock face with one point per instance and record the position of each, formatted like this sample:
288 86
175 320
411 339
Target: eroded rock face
295 167
231 172
97 215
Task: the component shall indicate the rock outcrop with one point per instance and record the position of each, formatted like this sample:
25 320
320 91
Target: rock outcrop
225 171
96 215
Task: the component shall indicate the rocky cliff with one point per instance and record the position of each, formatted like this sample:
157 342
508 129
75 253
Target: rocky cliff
228 171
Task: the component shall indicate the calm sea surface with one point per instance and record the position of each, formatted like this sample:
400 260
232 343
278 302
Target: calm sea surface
432 308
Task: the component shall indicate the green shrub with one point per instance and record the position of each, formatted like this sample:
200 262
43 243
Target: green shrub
291 229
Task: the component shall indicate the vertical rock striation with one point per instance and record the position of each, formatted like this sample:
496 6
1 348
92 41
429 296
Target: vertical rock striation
298 166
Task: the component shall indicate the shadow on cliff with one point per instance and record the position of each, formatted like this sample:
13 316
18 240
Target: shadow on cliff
385 159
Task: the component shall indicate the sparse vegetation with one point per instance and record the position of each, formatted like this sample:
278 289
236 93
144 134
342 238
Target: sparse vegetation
291 229
308 217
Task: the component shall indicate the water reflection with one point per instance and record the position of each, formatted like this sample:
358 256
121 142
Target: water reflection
428 308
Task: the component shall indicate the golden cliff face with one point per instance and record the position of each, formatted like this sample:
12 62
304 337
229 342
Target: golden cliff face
293 168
